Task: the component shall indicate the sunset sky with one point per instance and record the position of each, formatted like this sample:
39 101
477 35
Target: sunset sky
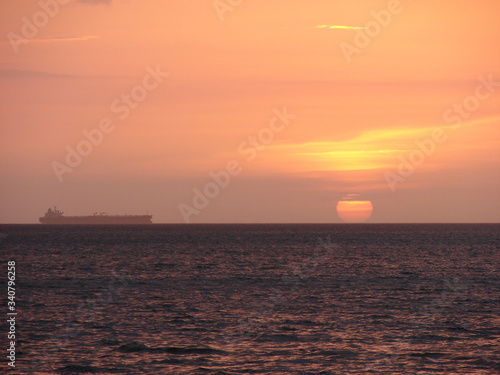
306 101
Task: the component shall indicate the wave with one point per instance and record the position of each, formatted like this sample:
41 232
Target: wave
82 369
134 347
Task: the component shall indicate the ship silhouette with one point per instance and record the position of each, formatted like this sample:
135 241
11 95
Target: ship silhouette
55 216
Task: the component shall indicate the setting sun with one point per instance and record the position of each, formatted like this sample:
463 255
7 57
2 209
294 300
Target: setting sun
352 210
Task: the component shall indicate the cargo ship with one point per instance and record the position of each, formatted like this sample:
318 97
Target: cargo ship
55 216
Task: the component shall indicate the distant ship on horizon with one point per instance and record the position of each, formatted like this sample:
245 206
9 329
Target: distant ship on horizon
55 216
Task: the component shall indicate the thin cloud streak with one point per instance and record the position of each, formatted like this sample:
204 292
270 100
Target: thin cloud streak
62 39
54 39
96 2
340 27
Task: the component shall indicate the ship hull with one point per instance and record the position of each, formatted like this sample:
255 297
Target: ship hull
98 220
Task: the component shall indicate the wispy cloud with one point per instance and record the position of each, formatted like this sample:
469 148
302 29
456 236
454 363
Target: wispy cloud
53 39
340 27
35 74
30 74
108 2
56 39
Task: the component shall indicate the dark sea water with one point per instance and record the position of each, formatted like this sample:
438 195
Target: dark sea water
254 299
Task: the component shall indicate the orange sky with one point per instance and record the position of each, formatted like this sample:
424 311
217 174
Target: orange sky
356 118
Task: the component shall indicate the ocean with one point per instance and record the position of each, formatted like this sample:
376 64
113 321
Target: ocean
252 299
